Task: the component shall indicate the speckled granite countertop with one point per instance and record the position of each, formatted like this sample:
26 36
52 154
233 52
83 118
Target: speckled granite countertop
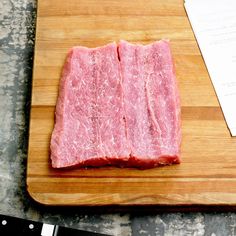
17 25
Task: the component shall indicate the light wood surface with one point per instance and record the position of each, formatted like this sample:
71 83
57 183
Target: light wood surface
207 175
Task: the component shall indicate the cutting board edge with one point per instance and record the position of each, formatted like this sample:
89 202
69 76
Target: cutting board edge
180 206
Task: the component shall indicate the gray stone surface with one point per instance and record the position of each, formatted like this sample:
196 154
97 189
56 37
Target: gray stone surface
17 25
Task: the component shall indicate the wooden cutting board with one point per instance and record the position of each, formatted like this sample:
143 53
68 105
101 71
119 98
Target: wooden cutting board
207 175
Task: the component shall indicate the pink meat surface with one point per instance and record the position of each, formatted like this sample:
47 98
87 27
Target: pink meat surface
117 111
152 106
90 126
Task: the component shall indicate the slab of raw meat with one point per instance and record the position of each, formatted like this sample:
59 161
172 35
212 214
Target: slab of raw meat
152 106
90 128
115 112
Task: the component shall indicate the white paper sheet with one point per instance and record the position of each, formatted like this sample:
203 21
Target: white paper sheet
214 25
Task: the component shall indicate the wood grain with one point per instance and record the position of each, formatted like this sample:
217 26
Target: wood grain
207 175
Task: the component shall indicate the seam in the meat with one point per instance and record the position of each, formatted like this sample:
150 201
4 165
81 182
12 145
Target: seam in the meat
123 103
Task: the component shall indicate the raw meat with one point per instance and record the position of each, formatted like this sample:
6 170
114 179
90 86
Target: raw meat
117 110
89 128
152 106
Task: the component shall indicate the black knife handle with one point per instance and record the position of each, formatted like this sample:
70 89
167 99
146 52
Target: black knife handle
15 226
